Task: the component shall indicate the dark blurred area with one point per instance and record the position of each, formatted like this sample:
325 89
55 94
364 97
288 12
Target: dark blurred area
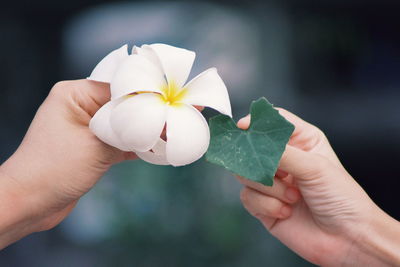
336 64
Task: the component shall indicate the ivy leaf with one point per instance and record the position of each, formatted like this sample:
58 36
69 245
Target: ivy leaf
254 153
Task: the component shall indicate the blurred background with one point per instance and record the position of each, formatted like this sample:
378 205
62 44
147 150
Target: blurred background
334 63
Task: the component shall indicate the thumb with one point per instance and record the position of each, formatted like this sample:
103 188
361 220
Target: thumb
97 94
304 166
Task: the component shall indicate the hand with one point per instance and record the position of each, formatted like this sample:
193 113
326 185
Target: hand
59 159
317 209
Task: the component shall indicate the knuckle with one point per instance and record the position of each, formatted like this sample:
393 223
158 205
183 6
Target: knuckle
63 84
60 88
63 87
315 136
319 133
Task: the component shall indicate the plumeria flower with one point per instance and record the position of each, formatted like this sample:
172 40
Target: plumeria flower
149 93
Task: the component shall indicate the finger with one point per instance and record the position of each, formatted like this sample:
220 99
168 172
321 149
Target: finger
301 126
281 174
304 165
304 129
268 222
88 95
199 108
279 190
289 180
98 91
123 156
244 122
130 156
307 136
284 176
98 94
260 205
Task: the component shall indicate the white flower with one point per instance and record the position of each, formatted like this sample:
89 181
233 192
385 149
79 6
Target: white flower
148 91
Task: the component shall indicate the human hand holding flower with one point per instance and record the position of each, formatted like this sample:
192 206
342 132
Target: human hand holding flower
58 161
60 158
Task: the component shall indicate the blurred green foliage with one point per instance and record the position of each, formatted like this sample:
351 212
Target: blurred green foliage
186 216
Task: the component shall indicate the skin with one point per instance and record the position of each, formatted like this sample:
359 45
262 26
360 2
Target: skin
62 160
58 161
317 209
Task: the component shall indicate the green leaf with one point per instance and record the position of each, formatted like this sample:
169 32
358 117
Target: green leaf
254 153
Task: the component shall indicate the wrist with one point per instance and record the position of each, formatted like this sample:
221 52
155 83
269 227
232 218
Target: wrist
16 214
379 244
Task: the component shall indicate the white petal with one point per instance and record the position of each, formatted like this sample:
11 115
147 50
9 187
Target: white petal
100 125
158 156
105 69
153 158
139 121
208 89
148 52
188 135
176 62
136 73
160 147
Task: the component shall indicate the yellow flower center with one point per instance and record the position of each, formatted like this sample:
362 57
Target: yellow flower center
172 94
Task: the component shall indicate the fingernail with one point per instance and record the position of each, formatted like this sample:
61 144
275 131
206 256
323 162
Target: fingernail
285 211
292 194
244 122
